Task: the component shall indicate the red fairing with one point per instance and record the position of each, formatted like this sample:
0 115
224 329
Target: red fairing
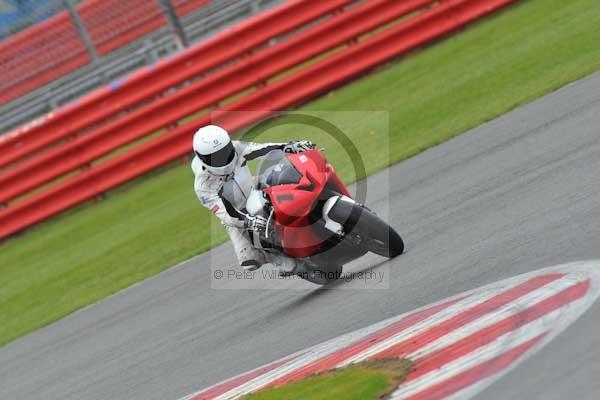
293 203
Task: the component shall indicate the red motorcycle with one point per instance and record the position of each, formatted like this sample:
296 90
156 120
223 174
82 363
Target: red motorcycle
312 217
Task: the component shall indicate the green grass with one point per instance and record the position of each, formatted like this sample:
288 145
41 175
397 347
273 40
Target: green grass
365 381
431 96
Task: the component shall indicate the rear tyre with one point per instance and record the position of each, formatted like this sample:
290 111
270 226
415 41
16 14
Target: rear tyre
366 229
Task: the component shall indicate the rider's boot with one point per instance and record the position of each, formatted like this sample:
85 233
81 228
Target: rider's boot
251 265
252 260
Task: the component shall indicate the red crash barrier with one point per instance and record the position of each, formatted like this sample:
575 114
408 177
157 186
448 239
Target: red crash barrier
233 79
298 87
152 81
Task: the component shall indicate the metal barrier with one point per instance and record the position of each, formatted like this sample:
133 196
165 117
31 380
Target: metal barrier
308 82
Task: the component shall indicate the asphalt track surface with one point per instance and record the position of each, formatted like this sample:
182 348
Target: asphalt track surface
514 195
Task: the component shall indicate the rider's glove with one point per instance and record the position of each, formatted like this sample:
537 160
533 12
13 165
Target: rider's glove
299 146
255 223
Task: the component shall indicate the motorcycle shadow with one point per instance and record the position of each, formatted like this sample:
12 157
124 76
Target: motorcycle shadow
307 300
320 291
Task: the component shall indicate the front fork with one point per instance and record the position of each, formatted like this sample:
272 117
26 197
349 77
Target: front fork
330 224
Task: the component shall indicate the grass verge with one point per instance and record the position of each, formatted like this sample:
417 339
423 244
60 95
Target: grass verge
369 380
504 61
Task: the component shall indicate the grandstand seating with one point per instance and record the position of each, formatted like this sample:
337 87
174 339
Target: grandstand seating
40 54
54 48
113 23
183 7
17 15
35 96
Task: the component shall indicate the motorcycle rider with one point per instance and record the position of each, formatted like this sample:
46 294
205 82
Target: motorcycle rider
219 164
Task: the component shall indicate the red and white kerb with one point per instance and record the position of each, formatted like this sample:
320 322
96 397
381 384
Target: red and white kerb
459 346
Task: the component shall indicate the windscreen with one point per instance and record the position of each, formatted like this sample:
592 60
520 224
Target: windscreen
276 169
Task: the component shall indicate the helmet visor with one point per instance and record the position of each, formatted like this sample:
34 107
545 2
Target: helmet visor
220 158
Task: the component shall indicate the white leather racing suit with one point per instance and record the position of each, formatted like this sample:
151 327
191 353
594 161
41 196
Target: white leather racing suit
209 189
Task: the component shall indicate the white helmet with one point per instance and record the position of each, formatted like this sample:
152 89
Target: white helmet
213 147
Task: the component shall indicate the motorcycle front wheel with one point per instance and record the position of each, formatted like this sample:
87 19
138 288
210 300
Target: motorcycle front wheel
366 229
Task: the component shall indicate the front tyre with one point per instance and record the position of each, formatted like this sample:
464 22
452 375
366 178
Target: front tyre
366 229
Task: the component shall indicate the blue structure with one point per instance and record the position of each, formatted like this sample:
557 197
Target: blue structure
16 15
